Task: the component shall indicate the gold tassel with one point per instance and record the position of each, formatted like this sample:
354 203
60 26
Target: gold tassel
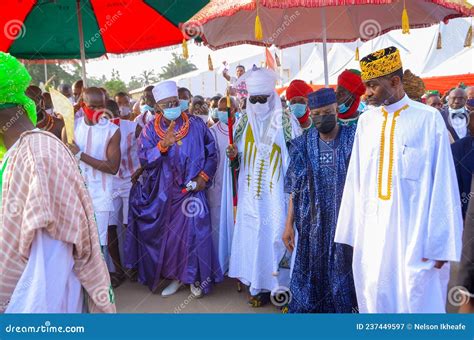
209 63
258 27
185 49
439 44
468 41
405 21
357 54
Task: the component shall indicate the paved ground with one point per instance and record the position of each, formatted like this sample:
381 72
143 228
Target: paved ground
132 297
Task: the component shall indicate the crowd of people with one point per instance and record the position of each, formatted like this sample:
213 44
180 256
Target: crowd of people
344 200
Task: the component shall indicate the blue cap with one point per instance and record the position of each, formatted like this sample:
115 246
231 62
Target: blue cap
322 97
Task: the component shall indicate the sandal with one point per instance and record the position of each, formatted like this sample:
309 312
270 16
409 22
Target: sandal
259 300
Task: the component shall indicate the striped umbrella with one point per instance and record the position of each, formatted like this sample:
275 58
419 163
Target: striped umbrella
286 23
73 29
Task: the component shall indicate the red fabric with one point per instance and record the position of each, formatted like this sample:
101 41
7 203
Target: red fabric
351 82
298 88
305 118
131 26
352 110
91 114
13 14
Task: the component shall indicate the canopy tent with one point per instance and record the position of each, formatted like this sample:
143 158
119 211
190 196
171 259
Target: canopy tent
418 51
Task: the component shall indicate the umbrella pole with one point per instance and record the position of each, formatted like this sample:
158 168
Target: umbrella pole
81 41
325 48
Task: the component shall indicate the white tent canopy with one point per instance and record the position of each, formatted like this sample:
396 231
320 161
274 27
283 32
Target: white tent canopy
418 52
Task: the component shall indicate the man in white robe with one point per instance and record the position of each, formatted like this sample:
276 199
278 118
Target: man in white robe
400 208
260 140
220 194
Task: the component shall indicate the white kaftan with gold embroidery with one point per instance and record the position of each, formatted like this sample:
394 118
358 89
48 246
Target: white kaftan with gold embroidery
257 246
401 204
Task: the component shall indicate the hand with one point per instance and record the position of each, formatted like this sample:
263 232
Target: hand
289 238
137 175
232 151
200 184
74 148
169 139
438 264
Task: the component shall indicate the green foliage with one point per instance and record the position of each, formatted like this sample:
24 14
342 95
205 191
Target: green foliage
177 66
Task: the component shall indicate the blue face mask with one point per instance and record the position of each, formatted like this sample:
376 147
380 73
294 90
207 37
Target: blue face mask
184 104
362 107
213 113
145 108
172 113
223 117
298 110
343 108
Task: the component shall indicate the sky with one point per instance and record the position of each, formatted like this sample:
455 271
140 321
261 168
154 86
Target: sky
134 64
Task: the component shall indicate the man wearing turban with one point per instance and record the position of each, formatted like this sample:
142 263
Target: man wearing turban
297 94
400 209
348 92
260 143
49 246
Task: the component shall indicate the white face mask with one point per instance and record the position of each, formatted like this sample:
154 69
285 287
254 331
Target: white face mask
125 110
260 108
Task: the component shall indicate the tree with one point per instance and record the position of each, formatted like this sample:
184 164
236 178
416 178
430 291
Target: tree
177 66
134 83
115 84
147 77
63 73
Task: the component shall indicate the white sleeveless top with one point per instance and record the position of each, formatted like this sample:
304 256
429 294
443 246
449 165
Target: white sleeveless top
129 150
93 141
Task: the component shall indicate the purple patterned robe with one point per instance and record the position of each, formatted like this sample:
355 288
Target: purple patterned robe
169 233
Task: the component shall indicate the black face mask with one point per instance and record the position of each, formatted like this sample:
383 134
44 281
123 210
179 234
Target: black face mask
325 124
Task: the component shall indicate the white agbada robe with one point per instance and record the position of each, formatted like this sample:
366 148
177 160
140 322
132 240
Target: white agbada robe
220 198
392 227
257 247
48 283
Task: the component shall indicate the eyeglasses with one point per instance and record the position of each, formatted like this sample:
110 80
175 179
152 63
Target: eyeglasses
168 105
258 99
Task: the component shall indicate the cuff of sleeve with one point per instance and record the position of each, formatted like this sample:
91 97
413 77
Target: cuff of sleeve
162 148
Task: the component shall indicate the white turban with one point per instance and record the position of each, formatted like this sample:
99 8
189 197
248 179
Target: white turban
165 89
259 81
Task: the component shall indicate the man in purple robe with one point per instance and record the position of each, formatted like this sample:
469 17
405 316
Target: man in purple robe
169 232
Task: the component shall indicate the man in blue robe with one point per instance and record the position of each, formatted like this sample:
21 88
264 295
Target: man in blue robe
321 280
169 232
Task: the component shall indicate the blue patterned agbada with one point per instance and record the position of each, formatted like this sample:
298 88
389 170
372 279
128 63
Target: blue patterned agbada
322 279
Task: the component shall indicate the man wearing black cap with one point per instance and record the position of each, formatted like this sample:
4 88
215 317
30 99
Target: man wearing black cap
322 274
400 209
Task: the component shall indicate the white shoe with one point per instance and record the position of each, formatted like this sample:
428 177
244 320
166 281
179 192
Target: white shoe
171 289
196 290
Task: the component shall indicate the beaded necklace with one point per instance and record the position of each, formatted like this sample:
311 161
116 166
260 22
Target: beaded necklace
180 134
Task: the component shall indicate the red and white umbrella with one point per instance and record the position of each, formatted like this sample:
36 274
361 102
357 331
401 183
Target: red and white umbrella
223 23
